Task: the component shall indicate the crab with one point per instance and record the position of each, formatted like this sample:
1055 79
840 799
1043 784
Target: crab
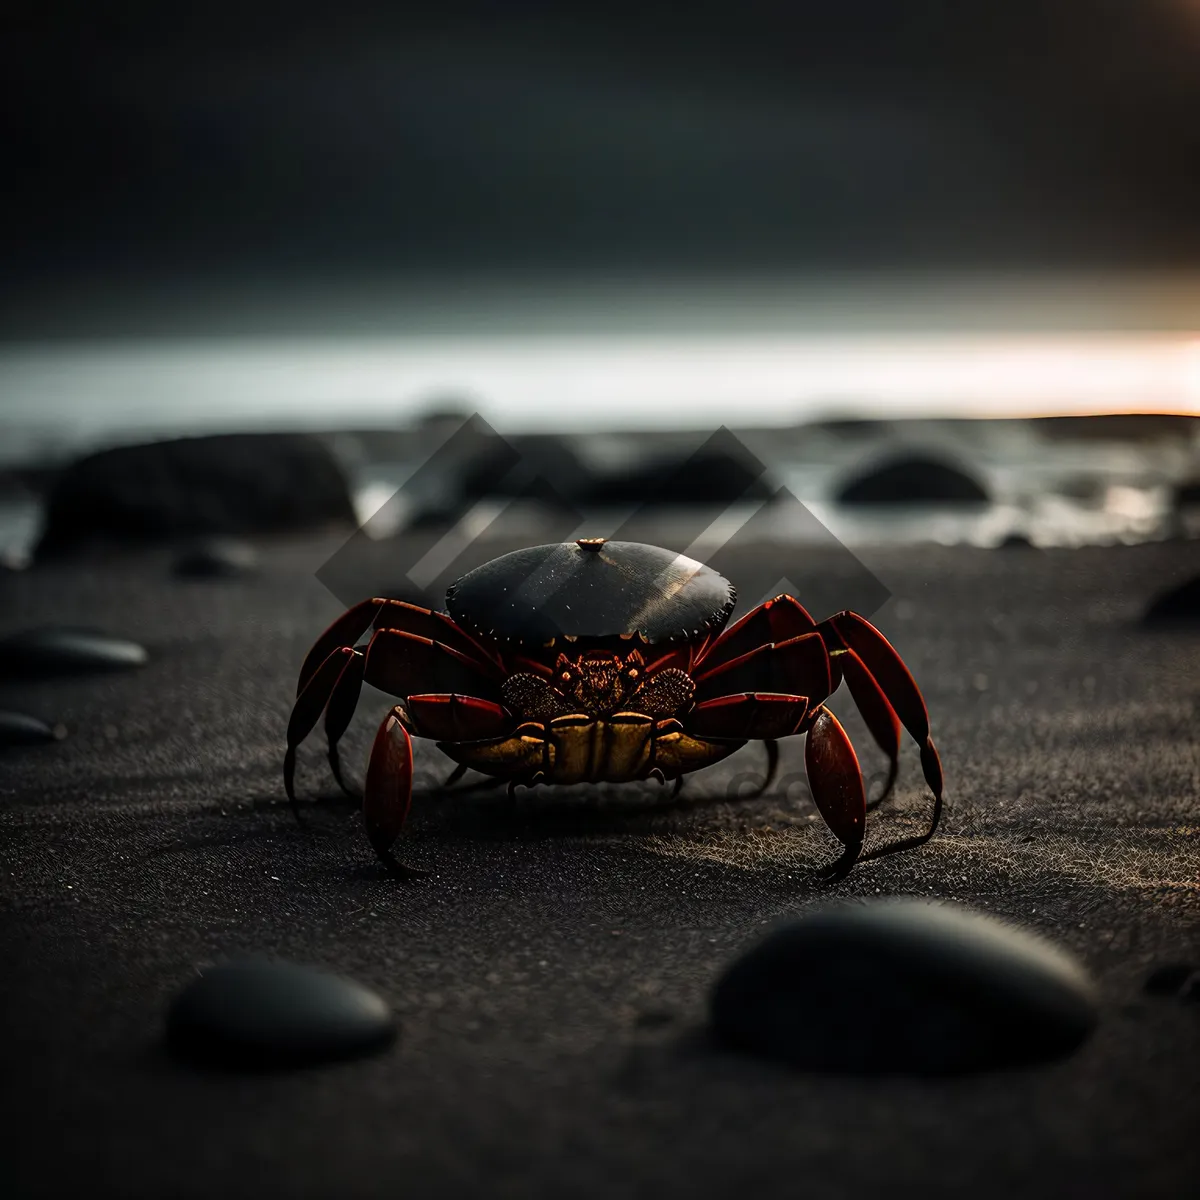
608 661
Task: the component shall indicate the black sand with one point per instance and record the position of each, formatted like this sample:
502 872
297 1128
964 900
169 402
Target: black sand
551 978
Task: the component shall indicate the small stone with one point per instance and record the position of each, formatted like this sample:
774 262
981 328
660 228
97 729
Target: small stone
902 986
1169 979
64 650
912 479
20 729
216 559
1177 605
256 1012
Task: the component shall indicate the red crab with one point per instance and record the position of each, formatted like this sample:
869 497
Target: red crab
608 661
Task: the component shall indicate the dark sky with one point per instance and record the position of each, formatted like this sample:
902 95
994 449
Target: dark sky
247 139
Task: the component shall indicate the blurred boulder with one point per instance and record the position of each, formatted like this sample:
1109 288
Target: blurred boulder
1179 605
709 476
853 428
1118 427
232 484
540 461
912 479
216 558
1086 489
1187 495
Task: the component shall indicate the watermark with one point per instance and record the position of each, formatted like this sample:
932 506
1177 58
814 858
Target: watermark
478 494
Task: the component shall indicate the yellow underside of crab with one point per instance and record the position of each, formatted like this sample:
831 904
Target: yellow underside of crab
579 748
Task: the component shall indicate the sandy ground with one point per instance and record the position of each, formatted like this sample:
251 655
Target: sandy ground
551 978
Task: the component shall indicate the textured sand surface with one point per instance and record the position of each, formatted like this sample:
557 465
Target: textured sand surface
551 977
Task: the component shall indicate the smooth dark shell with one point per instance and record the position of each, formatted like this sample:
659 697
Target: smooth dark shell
569 589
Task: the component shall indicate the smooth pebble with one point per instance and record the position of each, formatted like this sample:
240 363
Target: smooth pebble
217 559
20 729
901 986
257 1012
65 650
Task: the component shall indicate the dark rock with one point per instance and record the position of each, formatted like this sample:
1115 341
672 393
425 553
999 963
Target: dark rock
715 475
216 559
255 1012
857 428
545 466
1187 495
19 729
1170 979
64 650
234 484
1089 490
912 479
1177 605
903 987
1118 427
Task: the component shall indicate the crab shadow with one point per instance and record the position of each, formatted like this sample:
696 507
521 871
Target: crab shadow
580 810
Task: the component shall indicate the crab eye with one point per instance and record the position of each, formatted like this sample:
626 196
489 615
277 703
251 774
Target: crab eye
632 672
566 677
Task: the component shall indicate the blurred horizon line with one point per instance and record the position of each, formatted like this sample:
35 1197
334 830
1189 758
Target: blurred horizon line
581 384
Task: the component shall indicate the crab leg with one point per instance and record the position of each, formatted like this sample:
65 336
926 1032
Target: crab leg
459 771
772 748
345 631
837 787
880 717
782 668
457 718
307 710
749 715
777 620
752 716
340 709
879 658
392 614
387 794
402 663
